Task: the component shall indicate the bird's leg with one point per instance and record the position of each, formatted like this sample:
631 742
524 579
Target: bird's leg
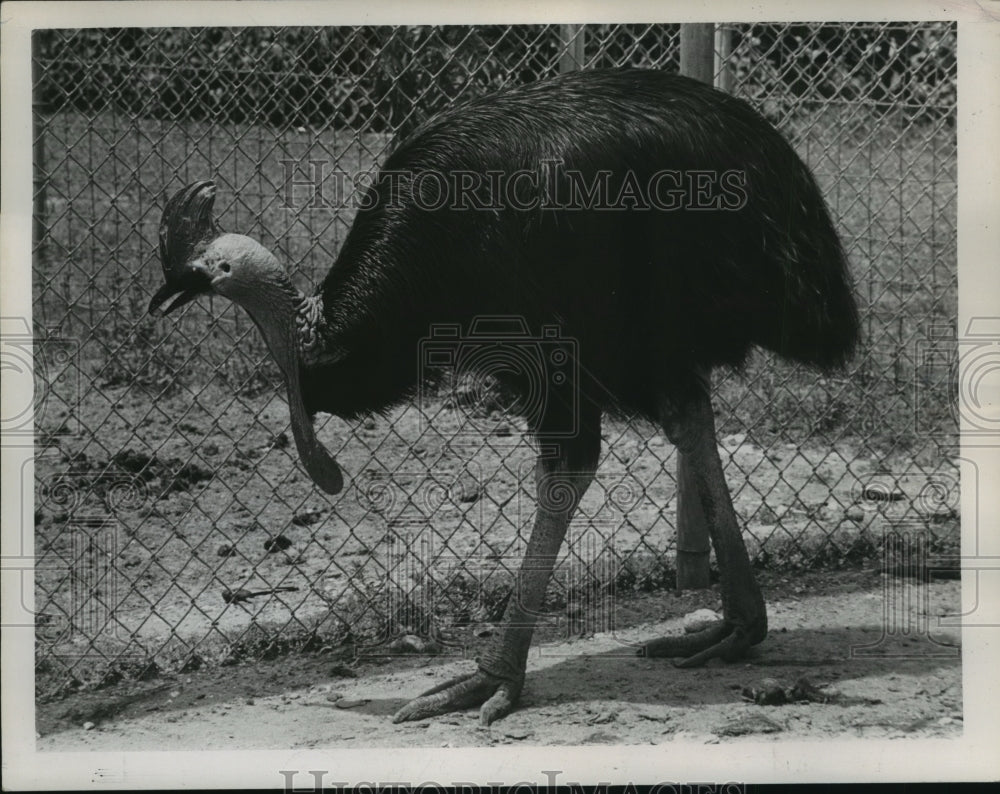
496 684
744 623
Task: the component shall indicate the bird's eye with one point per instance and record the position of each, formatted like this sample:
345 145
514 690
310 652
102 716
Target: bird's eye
224 267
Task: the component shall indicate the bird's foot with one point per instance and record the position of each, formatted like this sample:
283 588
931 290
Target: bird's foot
498 696
724 640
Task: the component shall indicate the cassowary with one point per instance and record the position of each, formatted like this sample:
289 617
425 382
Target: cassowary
662 226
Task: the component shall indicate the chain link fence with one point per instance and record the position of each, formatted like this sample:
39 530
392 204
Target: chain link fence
167 492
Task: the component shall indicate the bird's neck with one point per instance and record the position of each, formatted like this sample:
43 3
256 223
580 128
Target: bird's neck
315 343
282 313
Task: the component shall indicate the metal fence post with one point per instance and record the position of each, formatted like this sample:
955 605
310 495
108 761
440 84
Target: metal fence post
572 38
697 61
723 77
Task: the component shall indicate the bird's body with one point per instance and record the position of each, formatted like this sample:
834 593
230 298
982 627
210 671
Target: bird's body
635 228
582 241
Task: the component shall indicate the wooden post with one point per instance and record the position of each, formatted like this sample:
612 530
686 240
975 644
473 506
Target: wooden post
697 61
572 38
698 51
692 532
693 544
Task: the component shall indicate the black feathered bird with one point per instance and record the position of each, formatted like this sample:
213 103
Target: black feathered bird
639 227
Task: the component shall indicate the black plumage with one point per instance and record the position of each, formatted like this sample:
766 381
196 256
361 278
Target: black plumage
648 294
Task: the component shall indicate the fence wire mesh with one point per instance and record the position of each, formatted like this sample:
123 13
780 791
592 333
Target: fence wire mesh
166 487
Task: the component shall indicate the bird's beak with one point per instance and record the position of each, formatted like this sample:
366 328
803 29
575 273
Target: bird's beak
185 295
186 227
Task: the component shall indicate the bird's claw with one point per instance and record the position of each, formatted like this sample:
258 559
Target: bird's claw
497 696
731 647
722 640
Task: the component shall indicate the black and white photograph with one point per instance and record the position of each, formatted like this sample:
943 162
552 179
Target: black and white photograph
433 395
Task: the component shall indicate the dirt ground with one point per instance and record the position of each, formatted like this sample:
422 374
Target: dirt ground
185 496
868 642
199 474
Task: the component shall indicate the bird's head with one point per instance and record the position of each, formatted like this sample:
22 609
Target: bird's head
198 258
